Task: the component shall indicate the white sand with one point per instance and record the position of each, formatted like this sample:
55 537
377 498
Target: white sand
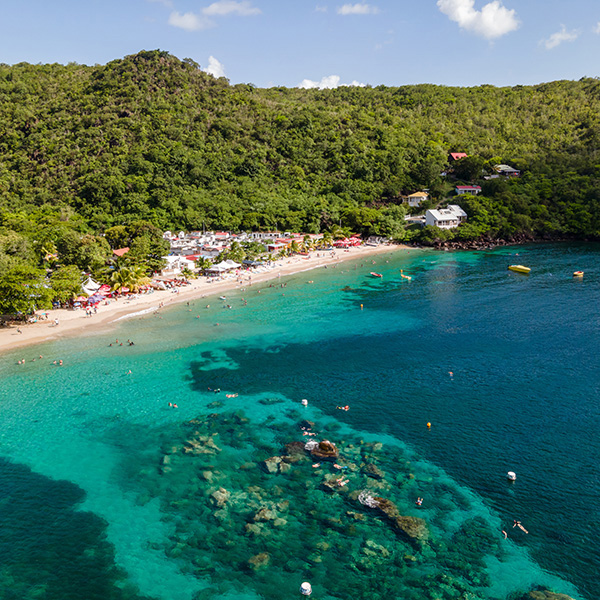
75 322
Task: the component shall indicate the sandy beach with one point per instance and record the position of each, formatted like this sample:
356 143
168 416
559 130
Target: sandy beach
75 322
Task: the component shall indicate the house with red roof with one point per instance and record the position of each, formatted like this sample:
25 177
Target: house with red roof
468 189
457 156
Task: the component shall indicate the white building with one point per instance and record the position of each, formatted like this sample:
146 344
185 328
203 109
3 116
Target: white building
415 199
446 218
468 189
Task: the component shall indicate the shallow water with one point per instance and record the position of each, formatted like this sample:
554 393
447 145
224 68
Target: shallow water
88 440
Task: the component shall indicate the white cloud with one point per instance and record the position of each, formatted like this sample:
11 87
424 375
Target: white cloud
223 8
357 9
492 21
328 83
322 9
559 37
597 28
189 21
215 68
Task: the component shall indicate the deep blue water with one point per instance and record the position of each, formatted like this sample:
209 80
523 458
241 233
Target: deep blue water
522 396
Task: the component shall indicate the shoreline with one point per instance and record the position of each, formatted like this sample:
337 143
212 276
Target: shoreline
74 322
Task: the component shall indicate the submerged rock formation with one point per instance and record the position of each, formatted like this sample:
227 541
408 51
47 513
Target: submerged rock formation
414 529
545 595
325 450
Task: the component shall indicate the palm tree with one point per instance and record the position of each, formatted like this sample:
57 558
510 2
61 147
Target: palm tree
337 233
132 278
294 247
326 240
203 264
308 243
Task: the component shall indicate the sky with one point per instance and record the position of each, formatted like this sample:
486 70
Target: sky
319 43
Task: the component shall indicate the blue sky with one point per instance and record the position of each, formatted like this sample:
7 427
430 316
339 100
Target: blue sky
320 42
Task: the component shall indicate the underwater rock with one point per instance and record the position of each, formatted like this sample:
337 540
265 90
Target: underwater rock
356 516
306 424
325 449
265 514
269 401
272 464
207 475
284 466
259 561
255 529
248 466
294 448
334 484
220 496
201 444
413 528
372 470
215 404
375 551
545 595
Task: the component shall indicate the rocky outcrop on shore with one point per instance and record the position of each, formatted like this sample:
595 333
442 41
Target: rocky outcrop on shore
489 243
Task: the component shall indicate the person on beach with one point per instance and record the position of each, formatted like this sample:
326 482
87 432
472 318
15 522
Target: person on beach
19 330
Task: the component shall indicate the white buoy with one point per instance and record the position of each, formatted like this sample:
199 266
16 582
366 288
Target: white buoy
306 589
305 402
511 476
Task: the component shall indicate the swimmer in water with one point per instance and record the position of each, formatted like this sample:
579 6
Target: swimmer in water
419 501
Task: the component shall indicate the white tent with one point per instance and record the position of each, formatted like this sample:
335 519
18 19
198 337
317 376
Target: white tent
90 286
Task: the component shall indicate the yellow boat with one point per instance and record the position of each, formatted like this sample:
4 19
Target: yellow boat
578 274
519 269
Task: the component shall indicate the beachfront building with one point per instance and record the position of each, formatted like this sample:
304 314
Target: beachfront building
261 236
468 189
446 218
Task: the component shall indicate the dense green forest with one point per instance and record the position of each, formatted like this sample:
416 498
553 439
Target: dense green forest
151 142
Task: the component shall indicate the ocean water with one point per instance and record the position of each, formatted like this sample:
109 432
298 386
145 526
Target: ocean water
108 492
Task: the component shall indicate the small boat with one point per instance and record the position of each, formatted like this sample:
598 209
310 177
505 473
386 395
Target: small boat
376 274
511 476
519 269
222 298
578 274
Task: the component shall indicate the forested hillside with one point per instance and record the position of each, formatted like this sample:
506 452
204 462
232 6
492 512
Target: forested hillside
152 139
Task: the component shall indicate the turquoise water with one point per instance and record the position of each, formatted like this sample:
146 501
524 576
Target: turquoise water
101 499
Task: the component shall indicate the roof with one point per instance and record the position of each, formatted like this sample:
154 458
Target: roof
121 251
458 155
419 195
468 187
453 211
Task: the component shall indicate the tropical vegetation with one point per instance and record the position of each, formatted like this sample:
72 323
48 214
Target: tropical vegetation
98 158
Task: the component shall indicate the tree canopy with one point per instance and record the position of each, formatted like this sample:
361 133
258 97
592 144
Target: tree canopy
93 158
